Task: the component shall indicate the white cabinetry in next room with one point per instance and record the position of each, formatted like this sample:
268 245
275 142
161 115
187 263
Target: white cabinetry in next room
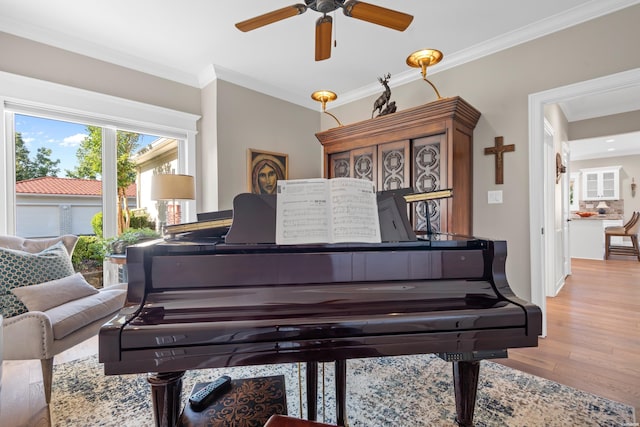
601 183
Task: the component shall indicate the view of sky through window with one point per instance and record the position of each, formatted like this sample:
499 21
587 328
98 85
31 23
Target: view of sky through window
63 138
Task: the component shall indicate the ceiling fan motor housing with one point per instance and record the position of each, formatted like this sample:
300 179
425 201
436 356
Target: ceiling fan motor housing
324 6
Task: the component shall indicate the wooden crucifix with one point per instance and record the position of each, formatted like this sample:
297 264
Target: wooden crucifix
497 150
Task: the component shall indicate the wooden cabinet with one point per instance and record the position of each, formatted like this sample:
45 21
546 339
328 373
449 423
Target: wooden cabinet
601 183
429 147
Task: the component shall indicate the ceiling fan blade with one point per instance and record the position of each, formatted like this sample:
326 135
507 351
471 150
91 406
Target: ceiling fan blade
377 15
271 17
323 38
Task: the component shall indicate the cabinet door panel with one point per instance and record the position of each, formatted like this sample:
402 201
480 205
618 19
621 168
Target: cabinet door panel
363 162
591 189
393 166
429 161
340 165
608 185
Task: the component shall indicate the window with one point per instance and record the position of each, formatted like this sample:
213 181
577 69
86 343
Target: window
59 176
21 96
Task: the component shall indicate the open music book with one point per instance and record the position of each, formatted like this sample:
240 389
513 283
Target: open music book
323 210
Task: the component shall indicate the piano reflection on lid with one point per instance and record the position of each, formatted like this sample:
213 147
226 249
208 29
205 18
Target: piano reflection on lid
188 308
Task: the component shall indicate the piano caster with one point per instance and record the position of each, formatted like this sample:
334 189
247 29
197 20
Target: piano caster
166 392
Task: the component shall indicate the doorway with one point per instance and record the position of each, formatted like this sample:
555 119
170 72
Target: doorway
541 203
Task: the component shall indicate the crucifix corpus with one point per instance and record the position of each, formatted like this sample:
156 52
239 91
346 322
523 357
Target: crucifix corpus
497 150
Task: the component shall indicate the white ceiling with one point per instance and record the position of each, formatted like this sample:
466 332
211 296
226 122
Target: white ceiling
607 146
194 41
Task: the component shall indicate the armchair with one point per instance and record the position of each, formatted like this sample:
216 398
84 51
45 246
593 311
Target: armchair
47 308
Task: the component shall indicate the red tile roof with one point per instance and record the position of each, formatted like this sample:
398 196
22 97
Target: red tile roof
66 186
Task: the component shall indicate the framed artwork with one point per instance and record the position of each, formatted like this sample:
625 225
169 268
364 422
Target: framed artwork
264 169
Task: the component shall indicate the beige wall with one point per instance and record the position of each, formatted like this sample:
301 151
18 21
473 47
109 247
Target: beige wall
605 126
40 61
248 119
499 86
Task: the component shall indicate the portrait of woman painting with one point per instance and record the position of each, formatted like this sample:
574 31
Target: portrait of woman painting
265 169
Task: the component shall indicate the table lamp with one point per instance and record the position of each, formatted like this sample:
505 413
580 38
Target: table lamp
602 208
172 187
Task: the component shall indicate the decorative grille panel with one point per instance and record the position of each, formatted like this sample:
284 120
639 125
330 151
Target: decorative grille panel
427 178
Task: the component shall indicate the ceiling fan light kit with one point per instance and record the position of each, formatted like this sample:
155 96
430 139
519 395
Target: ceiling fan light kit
424 58
355 9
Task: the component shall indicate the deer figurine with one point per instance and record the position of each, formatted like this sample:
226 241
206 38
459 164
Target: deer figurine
384 98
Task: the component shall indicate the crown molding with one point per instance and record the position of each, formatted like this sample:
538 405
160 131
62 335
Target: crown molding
262 87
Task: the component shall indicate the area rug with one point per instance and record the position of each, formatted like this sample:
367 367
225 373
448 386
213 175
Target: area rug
407 391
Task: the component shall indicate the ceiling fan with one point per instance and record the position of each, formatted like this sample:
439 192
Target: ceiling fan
352 8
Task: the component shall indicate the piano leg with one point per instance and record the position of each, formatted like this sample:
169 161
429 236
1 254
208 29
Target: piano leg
312 391
341 392
166 391
465 386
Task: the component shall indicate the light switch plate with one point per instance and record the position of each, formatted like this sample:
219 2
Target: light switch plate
494 196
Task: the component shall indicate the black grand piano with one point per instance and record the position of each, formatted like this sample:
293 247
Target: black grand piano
195 304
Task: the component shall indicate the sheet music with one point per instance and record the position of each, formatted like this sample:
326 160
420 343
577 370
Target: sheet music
319 210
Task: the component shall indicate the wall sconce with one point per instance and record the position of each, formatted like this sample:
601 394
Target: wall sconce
324 96
425 58
633 187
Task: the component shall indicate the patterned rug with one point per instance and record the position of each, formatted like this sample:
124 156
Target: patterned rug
407 391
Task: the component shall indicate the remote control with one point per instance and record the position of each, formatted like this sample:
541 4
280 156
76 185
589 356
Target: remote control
207 394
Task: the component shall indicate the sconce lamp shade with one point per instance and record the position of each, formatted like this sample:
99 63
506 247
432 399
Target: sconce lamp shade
425 58
172 187
324 96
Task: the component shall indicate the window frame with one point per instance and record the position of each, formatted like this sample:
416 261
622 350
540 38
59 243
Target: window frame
25 95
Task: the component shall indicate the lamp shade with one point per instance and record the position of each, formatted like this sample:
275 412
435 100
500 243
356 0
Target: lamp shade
172 187
602 205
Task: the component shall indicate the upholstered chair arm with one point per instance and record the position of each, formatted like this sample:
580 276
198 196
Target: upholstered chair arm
30 335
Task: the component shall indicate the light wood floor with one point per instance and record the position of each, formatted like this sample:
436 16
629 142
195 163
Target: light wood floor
593 344
593 332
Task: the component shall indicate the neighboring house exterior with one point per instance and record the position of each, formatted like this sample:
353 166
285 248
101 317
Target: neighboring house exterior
51 206
161 156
